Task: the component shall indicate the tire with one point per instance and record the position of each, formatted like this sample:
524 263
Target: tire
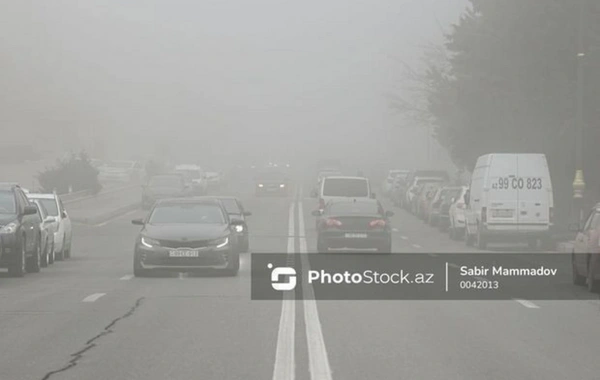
46 255
481 240
578 279
34 264
52 254
138 270
60 256
233 265
17 267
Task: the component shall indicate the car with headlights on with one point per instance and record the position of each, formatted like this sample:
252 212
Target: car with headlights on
359 223
186 235
63 235
163 186
236 211
20 237
271 182
48 228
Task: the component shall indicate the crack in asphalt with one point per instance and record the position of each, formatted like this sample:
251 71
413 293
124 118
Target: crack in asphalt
92 342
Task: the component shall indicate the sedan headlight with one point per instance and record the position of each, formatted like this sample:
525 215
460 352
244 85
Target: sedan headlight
282 185
239 228
148 242
260 185
10 228
222 242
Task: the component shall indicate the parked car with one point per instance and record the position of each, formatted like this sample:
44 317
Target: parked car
388 183
354 223
585 256
425 200
417 182
456 215
510 199
20 235
48 228
63 236
440 206
271 182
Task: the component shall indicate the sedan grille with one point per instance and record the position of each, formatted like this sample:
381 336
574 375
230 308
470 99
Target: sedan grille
184 244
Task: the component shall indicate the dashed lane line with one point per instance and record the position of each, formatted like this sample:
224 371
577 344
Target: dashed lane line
93 297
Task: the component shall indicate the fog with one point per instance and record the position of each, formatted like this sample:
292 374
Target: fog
206 80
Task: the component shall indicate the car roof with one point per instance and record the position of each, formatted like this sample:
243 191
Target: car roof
41 195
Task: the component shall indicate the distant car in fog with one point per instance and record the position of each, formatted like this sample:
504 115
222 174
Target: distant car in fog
196 177
164 186
20 236
336 187
236 211
388 182
63 236
271 182
355 224
187 234
120 171
214 179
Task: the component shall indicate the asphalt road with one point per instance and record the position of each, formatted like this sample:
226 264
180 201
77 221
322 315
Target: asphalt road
89 318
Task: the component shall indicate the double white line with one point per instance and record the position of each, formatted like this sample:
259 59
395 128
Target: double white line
285 364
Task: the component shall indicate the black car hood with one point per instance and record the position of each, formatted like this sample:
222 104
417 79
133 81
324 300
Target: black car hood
5 219
185 232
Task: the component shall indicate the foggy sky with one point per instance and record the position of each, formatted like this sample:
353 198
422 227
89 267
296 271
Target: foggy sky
254 75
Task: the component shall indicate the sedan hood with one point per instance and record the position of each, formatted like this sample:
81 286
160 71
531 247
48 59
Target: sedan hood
185 232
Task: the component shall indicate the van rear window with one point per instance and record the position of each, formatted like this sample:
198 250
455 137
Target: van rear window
345 187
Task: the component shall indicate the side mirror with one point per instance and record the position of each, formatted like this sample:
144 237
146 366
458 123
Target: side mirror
314 194
138 222
29 210
574 227
317 213
247 213
389 214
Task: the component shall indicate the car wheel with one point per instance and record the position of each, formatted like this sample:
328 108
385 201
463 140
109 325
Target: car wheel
592 283
233 264
481 241
46 255
138 270
17 267
577 278
34 263
61 255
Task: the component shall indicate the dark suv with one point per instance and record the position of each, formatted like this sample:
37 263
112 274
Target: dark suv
20 245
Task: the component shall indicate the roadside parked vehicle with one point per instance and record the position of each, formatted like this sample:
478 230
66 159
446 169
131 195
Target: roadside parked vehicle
454 218
585 256
48 228
63 236
196 177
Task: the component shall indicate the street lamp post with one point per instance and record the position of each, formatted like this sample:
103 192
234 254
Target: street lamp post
579 181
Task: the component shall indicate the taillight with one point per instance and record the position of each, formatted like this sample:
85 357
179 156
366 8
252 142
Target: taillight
551 214
333 223
377 223
483 214
321 204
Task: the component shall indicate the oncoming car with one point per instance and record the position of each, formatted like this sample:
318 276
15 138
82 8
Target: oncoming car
187 234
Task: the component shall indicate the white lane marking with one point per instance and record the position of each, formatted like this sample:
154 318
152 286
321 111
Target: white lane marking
115 218
527 304
317 352
93 297
284 368
126 277
404 237
417 246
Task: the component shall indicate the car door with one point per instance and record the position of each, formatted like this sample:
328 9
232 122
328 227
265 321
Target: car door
581 245
27 222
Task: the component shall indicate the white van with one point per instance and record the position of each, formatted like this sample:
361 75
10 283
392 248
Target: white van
343 187
510 198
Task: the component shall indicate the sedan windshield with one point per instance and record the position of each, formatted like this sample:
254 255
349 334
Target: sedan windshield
7 203
50 206
187 213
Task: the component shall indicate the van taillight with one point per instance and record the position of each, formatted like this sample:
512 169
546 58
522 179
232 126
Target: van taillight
483 214
551 215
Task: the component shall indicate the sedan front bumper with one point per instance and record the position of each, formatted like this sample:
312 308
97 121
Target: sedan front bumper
159 258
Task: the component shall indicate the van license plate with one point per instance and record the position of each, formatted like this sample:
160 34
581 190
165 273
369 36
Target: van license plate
356 236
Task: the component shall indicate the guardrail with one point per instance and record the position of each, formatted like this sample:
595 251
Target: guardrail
77 196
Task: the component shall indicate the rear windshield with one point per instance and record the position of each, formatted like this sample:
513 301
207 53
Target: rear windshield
7 203
231 206
368 208
346 187
182 213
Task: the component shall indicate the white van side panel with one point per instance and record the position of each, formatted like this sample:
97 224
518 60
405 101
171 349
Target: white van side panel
502 197
535 191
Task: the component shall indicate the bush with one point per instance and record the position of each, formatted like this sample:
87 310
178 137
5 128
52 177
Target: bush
75 171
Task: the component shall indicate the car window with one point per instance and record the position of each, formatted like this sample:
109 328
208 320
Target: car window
345 187
23 198
40 214
231 206
50 205
7 203
187 213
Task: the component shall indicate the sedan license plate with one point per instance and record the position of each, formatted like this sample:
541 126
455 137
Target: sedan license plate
183 253
355 236
502 213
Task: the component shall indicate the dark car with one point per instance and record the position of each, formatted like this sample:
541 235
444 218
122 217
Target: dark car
235 209
272 182
354 223
20 236
164 186
187 234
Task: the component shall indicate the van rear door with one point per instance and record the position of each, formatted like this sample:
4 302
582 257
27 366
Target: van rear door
535 192
502 196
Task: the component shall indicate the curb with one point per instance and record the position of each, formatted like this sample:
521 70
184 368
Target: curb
108 215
